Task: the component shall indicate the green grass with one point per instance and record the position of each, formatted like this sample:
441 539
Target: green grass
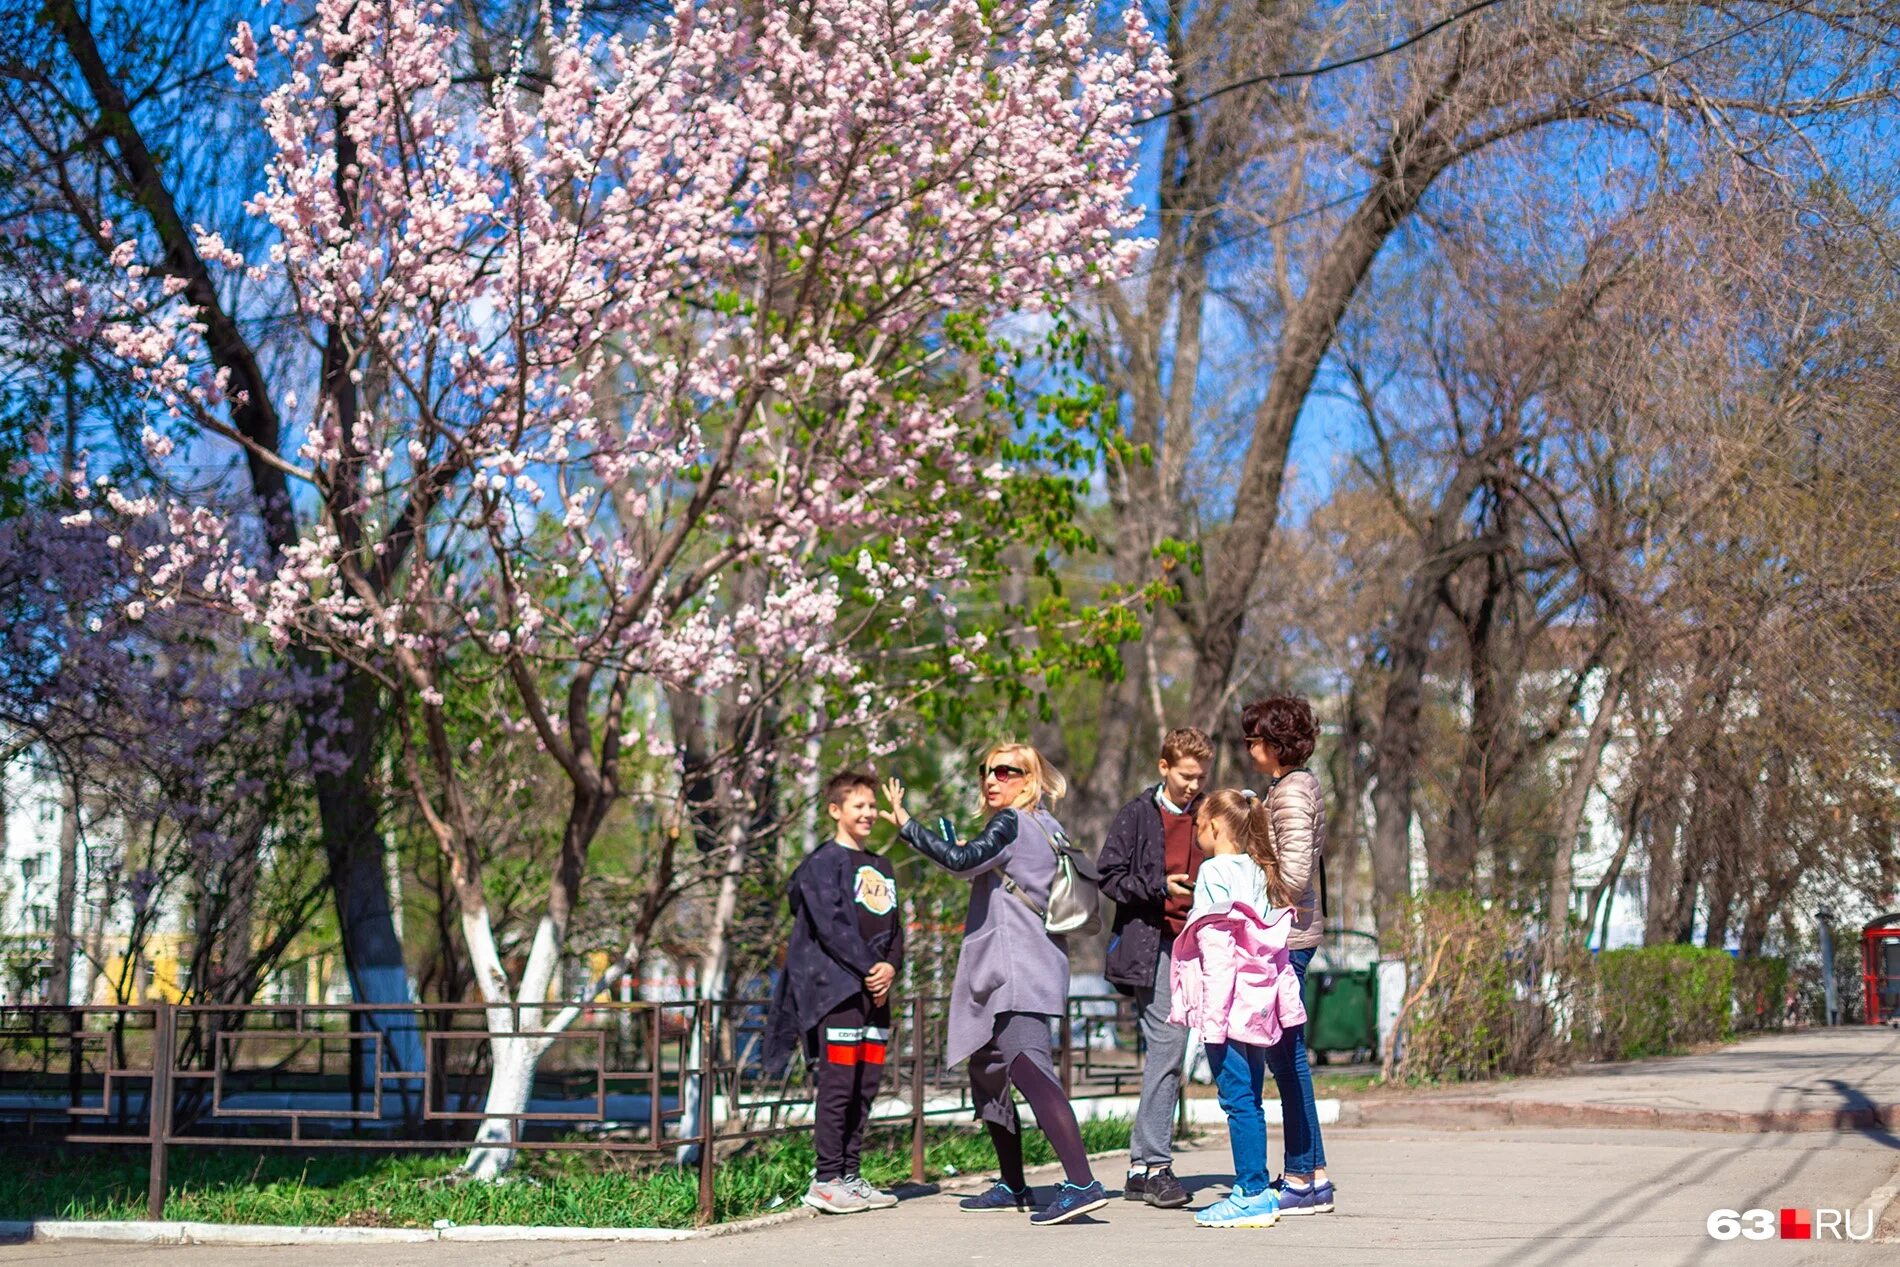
336 1188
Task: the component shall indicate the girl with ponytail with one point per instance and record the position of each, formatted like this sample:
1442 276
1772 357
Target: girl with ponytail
1233 982
1236 826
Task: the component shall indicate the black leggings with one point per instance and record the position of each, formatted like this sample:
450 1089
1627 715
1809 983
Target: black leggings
1053 1115
1018 1056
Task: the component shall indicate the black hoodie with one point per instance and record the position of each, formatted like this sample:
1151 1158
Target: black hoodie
846 920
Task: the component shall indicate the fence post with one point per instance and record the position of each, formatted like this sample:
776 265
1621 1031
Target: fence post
158 1105
1068 1055
706 1053
75 1040
917 1030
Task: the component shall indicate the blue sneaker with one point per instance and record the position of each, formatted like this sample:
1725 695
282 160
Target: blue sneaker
1071 1202
1241 1209
1312 1199
1000 1197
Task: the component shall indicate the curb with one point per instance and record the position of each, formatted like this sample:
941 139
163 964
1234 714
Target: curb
143 1232
1475 1114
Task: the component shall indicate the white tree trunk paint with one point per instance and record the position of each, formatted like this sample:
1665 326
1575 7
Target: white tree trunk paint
515 1054
712 981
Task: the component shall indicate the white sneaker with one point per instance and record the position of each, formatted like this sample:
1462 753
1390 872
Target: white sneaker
861 1187
834 1198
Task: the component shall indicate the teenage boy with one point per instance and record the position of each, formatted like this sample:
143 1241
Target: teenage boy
1148 865
834 993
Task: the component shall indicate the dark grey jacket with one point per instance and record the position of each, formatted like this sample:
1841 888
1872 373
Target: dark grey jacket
1133 863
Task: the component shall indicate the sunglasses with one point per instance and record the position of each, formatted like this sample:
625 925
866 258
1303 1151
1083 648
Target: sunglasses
1007 773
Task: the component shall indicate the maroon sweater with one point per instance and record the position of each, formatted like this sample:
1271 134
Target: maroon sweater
1179 855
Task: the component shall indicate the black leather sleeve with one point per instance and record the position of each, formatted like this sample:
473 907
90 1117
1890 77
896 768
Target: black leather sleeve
966 859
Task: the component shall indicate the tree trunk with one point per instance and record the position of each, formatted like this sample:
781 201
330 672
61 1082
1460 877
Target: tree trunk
1755 919
1346 832
1233 565
66 902
1663 878
359 883
1721 905
372 952
512 1059
510 1089
1491 691
1395 761
1576 798
1119 724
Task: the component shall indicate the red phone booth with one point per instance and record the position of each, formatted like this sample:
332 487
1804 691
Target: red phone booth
1880 968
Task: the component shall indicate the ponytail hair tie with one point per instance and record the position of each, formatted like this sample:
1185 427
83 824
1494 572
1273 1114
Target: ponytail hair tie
1249 793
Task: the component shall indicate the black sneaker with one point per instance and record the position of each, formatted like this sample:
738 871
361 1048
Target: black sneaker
1071 1202
1000 1197
1164 1191
1135 1187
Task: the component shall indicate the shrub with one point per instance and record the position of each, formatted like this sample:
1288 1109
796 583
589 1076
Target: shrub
1488 995
1657 999
1761 993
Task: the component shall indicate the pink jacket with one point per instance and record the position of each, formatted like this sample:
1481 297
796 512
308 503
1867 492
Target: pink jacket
1231 976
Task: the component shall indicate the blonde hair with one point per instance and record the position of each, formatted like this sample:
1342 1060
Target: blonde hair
1041 780
1248 820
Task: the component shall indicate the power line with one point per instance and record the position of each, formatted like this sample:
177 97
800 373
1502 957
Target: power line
1575 104
1327 68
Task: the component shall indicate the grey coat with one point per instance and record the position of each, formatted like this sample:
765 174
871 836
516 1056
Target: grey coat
1009 962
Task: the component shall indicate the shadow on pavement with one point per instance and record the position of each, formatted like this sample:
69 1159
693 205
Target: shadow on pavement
1854 1100
1628 1202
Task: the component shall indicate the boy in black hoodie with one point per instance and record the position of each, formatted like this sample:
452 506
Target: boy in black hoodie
834 994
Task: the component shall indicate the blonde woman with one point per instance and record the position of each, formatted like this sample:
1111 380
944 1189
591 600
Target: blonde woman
1012 974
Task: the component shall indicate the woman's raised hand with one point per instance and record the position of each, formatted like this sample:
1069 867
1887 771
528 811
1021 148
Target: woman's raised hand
894 793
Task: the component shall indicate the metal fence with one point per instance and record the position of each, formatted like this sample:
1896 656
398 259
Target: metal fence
646 1077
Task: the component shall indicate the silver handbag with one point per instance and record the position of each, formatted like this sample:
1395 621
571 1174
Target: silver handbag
1075 894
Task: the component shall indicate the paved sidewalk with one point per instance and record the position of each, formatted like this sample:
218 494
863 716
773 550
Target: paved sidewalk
1517 1198
1838 1079
1454 1190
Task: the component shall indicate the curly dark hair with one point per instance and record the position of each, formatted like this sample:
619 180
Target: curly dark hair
1286 724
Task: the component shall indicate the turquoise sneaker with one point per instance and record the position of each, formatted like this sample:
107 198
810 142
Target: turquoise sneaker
1240 1209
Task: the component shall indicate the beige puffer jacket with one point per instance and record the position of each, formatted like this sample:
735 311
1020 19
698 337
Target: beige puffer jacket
1297 812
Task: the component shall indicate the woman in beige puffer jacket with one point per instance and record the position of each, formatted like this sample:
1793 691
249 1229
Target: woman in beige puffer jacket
1280 735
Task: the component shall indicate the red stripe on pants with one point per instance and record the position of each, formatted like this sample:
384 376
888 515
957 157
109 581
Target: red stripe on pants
871 1053
842 1053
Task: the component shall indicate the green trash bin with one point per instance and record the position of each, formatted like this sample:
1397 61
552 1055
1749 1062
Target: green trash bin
1340 1011
1342 1002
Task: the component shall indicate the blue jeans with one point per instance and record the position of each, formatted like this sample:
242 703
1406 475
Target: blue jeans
1239 1072
1299 1114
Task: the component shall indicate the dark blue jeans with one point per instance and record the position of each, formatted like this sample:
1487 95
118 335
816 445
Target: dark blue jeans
1239 1073
1299 1114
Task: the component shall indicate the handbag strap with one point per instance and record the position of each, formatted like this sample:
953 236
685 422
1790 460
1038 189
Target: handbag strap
1056 841
1030 902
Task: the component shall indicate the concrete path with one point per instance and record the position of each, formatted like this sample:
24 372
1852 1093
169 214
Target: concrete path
1518 1198
1847 1078
1458 1192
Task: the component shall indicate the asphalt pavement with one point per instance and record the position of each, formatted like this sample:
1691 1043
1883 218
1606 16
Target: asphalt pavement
1766 1125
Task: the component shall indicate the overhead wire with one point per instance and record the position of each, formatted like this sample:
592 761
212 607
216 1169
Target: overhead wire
1325 68
1354 195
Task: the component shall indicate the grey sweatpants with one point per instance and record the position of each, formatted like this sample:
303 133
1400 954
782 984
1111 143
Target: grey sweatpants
1151 1142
